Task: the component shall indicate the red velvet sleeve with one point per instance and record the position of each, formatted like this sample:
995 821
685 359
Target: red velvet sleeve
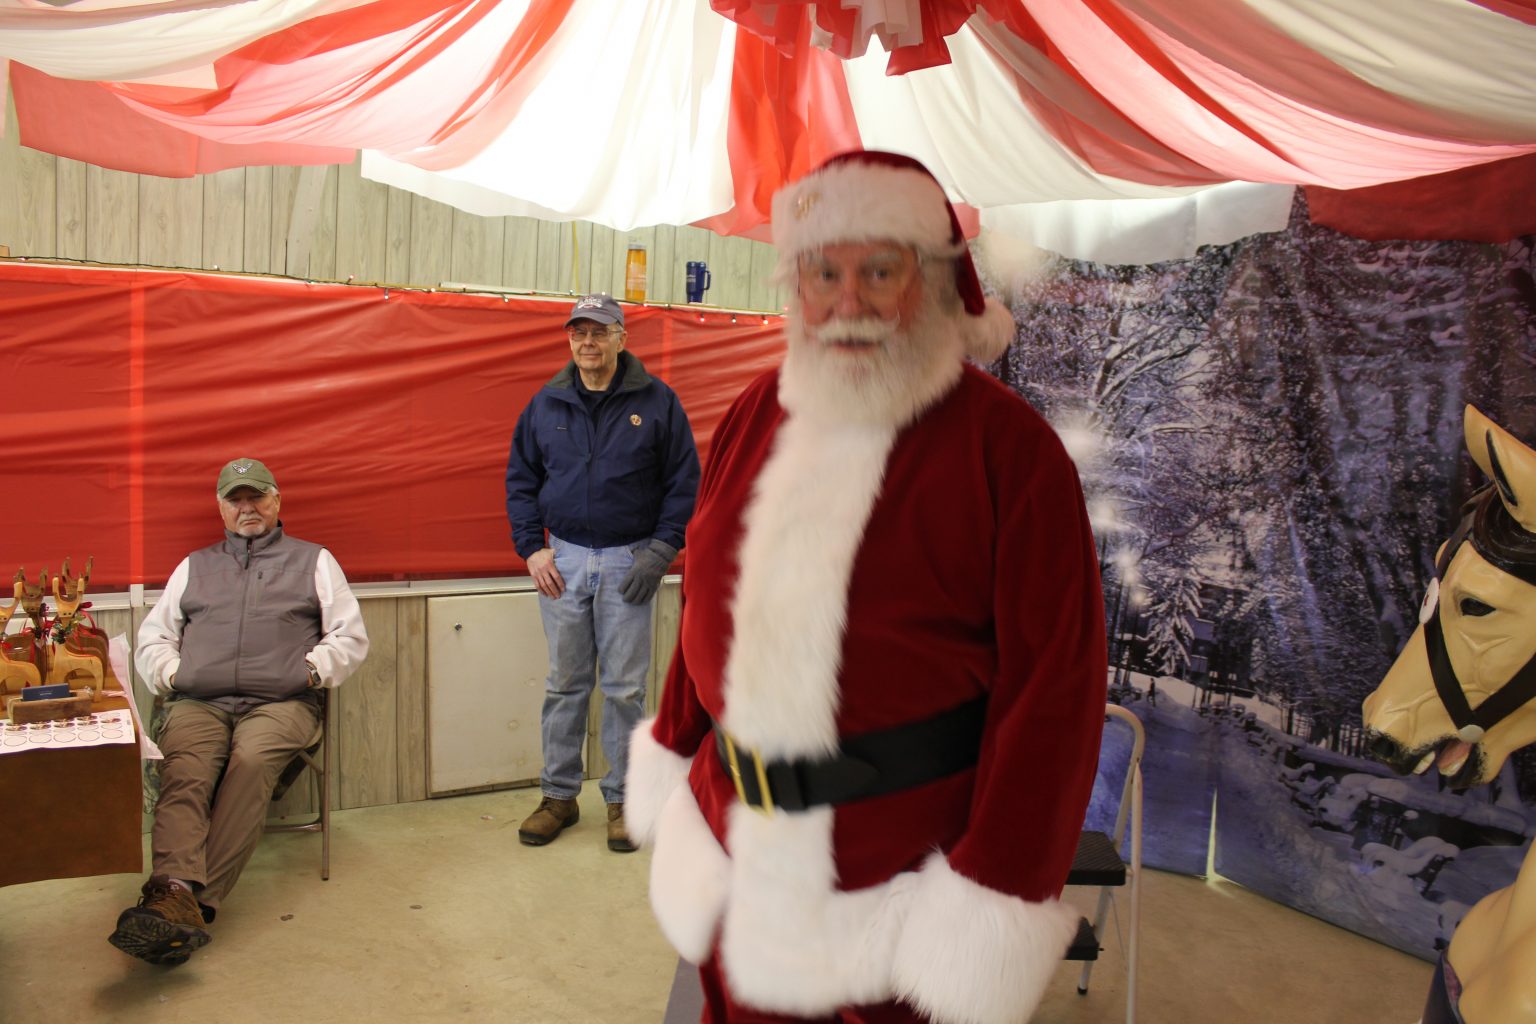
1040 747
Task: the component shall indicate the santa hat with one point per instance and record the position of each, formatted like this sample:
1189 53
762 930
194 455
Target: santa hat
868 196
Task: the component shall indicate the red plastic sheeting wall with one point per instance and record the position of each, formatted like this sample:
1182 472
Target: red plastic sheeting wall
384 414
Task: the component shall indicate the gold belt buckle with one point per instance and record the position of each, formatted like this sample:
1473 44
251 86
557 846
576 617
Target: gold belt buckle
762 776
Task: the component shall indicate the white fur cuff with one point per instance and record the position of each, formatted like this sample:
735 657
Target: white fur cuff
972 955
650 778
690 878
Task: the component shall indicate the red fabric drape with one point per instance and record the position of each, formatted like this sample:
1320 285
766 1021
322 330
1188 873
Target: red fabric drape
85 121
1488 203
789 112
385 414
312 93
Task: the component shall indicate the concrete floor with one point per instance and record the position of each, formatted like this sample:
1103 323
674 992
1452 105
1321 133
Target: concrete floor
434 912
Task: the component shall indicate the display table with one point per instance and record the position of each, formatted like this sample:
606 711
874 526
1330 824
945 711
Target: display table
72 811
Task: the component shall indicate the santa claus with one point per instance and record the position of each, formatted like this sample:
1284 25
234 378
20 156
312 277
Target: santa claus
877 741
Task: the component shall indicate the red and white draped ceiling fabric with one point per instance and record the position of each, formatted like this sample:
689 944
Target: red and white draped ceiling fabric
695 111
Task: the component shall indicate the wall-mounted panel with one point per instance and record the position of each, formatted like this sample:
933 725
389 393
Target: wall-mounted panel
486 662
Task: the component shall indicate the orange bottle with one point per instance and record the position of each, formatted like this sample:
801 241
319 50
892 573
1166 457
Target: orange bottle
634 273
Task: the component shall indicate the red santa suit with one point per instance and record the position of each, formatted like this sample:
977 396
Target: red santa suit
847 578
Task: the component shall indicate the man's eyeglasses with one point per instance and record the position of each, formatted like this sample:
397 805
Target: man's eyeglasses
595 333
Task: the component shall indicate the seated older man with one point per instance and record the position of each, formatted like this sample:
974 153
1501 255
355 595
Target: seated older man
247 631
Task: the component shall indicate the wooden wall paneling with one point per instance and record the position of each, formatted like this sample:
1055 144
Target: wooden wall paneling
28 195
730 271
223 234
111 216
70 190
576 257
322 259
549 275
368 713
13 220
666 283
765 295
412 769
298 222
431 243
258 222
170 221
362 227
285 182
401 209
478 242
520 253
600 262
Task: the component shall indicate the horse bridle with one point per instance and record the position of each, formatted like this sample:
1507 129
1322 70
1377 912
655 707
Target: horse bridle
1503 543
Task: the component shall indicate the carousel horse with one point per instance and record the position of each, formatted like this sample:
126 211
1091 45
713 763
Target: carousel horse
79 652
1458 698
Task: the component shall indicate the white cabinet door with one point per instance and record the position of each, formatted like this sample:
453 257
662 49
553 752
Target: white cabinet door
486 660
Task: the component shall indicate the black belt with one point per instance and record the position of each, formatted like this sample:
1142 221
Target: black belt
866 765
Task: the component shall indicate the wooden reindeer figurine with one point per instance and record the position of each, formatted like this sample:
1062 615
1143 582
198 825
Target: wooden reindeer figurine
20 671
75 656
1458 698
25 653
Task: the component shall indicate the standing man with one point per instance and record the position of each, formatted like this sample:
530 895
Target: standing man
246 633
869 771
602 460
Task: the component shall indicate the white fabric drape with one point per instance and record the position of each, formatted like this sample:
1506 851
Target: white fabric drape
626 125
98 43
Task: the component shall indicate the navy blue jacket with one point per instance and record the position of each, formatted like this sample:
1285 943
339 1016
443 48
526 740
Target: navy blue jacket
627 472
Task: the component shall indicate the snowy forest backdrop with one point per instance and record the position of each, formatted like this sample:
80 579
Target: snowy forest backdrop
1269 437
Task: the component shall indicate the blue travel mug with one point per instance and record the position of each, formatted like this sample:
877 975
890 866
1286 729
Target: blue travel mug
698 280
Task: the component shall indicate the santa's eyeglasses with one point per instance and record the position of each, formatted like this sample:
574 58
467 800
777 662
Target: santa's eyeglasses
878 276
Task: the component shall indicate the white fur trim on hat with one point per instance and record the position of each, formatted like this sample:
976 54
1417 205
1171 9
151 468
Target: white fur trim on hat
862 202
971 955
988 336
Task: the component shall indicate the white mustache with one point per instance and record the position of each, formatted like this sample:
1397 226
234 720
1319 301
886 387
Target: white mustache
862 328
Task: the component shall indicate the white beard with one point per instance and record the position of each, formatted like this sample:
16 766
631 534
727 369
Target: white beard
887 382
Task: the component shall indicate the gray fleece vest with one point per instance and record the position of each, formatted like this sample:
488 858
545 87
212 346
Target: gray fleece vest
252 613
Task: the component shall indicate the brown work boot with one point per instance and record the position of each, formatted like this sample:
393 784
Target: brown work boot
618 835
165 927
553 817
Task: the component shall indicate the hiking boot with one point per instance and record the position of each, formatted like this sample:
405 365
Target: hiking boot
552 817
618 835
165 927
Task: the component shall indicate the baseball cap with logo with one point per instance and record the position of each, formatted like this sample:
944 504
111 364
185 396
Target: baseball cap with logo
601 308
245 473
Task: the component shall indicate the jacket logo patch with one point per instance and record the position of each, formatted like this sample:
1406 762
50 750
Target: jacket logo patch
634 418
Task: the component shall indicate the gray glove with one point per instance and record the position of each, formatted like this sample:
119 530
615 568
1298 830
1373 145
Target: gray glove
645 575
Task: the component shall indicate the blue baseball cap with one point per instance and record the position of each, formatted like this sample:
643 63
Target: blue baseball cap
600 307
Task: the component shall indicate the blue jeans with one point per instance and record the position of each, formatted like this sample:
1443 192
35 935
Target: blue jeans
590 625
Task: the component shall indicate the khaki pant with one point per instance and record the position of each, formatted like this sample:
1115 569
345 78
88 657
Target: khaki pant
215 785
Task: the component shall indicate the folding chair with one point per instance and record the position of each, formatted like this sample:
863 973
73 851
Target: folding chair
319 758
1100 861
